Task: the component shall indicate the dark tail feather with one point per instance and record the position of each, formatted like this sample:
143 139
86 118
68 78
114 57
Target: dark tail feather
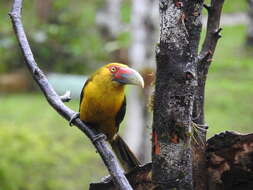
126 157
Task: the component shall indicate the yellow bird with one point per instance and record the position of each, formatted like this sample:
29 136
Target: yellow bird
103 106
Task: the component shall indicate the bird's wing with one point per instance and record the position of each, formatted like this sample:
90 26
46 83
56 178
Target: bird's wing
121 113
82 92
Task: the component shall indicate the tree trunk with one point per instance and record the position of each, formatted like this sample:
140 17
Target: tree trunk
109 20
141 56
176 81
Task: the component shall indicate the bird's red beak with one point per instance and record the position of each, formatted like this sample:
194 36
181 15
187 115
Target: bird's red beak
126 75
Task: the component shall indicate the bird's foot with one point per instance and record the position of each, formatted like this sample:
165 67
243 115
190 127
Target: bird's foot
73 117
199 127
197 130
98 137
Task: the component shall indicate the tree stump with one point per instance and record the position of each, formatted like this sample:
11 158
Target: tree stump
229 158
230 161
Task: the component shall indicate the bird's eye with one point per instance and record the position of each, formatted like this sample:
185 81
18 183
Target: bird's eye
113 69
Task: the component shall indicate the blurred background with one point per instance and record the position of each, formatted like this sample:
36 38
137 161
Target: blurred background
72 38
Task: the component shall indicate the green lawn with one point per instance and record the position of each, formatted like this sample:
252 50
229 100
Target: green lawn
229 94
233 6
38 150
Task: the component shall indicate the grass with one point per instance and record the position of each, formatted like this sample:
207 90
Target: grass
232 6
229 92
37 143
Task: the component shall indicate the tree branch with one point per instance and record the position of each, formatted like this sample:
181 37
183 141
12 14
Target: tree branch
203 61
212 34
56 102
205 56
66 97
207 7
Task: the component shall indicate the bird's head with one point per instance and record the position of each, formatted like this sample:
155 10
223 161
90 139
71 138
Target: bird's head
122 74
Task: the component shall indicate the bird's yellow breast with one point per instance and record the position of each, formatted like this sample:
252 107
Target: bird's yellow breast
102 100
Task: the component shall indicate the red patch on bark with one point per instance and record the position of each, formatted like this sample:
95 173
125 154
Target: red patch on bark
156 146
179 4
174 139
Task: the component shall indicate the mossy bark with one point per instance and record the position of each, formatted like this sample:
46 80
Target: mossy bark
176 82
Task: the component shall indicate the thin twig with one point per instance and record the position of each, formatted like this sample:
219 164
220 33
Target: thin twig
56 102
66 97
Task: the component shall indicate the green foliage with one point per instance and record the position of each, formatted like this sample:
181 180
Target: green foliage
66 41
72 41
9 54
40 151
235 6
126 11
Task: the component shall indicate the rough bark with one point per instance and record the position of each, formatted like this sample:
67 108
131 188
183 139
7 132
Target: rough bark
230 161
176 81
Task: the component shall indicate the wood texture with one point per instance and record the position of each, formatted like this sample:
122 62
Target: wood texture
230 161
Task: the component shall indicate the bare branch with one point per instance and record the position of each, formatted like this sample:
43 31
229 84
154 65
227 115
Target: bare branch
205 57
56 102
66 97
212 34
207 7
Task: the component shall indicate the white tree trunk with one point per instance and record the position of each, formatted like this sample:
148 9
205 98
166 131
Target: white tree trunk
109 18
141 55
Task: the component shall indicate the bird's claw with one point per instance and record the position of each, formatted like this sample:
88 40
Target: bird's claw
197 131
198 127
98 137
73 117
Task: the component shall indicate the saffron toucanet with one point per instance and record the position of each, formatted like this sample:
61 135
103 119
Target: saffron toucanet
103 106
